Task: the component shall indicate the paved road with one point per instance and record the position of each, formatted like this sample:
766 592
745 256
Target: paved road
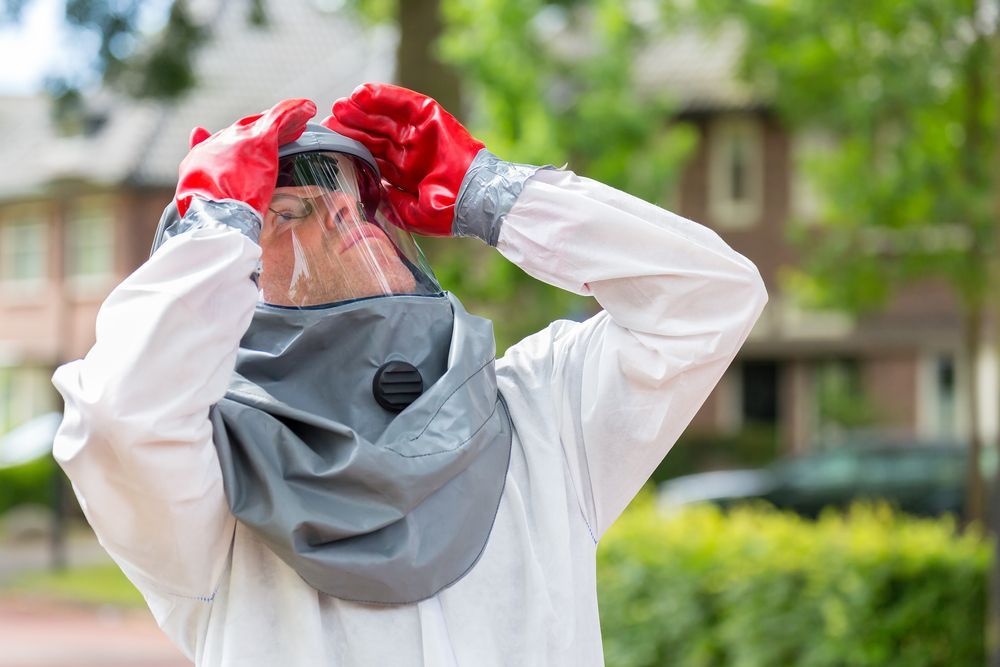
37 634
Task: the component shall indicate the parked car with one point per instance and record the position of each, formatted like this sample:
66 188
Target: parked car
924 479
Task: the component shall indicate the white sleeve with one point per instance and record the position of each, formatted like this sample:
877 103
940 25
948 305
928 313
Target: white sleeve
678 304
136 440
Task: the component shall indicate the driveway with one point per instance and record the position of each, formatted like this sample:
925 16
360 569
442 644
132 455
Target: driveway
40 634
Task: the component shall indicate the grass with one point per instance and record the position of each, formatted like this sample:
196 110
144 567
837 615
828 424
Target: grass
95 585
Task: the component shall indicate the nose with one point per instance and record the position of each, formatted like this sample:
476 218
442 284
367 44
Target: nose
341 215
342 209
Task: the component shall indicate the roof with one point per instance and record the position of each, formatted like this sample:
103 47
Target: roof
699 69
302 52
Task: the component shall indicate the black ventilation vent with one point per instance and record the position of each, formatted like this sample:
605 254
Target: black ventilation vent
396 385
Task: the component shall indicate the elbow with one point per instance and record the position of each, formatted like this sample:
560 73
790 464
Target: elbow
756 291
750 298
741 300
102 417
747 290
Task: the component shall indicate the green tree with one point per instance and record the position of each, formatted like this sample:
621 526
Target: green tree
160 66
551 82
554 83
907 94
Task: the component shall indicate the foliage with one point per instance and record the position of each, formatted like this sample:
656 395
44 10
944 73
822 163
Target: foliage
566 93
553 83
158 66
374 11
758 587
164 70
754 446
27 483
93 585
492 287
842 403
906 93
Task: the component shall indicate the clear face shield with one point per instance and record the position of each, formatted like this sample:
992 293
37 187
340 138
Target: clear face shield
328 236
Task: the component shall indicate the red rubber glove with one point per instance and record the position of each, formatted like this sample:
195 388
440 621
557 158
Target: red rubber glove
241 161
422 151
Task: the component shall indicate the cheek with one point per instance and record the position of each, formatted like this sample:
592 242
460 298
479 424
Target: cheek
276 254
394 271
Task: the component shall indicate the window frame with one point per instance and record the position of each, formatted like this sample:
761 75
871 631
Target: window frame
725 211
31 216
88 210
25 393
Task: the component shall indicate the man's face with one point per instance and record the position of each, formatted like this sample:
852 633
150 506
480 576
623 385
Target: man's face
318 248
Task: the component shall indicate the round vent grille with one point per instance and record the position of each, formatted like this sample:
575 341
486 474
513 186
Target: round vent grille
396 385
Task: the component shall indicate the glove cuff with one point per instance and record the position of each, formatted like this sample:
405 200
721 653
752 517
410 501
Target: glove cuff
489 190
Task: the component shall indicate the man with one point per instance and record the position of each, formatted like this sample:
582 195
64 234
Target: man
271 512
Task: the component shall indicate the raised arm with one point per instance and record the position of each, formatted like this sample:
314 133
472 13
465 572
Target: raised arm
678 301
135 439
678 304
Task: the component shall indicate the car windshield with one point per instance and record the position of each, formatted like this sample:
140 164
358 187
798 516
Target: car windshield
876 466
834 468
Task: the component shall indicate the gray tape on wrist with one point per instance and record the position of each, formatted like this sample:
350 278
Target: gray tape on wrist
208 213
205 213
489 190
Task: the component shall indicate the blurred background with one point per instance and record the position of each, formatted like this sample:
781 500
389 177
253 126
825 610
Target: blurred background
849 150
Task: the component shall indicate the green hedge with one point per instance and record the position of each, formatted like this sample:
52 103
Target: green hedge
757 587
752 447
27 483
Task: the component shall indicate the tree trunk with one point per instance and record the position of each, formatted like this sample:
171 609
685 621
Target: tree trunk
974 492
976 65
417 65
993 508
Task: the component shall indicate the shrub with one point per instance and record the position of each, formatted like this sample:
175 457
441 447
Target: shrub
752 447
27 483
758 587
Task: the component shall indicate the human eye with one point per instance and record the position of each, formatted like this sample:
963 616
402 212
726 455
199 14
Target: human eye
282 215
287 209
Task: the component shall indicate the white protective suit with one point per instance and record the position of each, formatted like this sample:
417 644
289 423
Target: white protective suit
595 406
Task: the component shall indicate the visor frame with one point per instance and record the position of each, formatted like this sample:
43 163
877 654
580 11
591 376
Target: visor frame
318 139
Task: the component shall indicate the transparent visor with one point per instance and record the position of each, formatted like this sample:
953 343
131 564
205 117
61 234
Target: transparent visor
329 237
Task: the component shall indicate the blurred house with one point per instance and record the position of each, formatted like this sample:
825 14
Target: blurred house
806 374
77 215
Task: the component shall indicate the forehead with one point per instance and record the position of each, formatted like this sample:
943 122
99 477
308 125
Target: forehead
305 191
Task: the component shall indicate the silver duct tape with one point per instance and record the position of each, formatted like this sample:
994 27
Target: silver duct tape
204 213
489 190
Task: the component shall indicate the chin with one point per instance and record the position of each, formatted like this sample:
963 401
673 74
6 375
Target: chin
277 296
403 284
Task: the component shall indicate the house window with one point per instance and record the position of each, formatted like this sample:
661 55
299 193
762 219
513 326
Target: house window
944 380
748 396
23 249
25 392
736 166
760 392
841 401
90 241
809 149
941 397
